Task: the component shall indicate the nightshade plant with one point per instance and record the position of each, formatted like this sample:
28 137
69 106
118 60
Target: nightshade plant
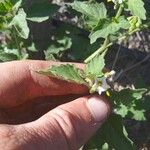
115 25
113 134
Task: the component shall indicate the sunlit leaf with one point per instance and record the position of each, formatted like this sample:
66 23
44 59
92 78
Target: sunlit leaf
127 103
20 24
65 72
94 11
137 8
95 66
108 28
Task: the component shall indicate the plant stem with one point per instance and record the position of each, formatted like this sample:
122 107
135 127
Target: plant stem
100 50
131 68
106 43
116 57
119 12
137 64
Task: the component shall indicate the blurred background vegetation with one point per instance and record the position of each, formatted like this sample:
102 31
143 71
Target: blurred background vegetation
51 30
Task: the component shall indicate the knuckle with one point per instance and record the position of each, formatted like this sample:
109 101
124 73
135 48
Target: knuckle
65 121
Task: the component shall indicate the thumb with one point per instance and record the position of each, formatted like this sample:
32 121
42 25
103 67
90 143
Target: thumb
68 126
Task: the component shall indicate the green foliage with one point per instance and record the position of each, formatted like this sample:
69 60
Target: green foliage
8 55
96 26
93 11
65 72
126 103
95 66
42 11
20 24
113 135
135 23
137 8
9 6
17 4
56 48
5 7
106 28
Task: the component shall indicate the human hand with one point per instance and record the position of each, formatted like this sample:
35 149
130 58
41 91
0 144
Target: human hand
28 117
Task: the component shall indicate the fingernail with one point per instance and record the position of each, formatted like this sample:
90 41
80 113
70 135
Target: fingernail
98 108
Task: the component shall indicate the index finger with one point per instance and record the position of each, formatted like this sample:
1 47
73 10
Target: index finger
19 83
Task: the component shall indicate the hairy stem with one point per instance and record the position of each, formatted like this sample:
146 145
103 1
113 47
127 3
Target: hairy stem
116 57
119 12
106 43
131 68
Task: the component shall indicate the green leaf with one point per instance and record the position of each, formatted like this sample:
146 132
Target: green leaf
49 56
42 11
65 72
127 103
61 45
137 8
115 134
135 23
32 48
94 11
108 28
95 66
9 55
111 135
105 146
58 47
81 51
20 24
17 5
5 7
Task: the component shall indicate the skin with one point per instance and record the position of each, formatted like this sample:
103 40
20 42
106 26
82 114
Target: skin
39 112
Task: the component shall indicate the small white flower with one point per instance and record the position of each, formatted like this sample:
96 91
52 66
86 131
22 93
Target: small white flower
104 87
100 90
115 111
120 1
101 85
109 74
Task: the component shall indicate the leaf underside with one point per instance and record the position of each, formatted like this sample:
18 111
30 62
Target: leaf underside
66 72
137 8
20 24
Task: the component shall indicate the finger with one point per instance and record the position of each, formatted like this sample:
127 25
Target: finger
66 127
20 83
32 110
